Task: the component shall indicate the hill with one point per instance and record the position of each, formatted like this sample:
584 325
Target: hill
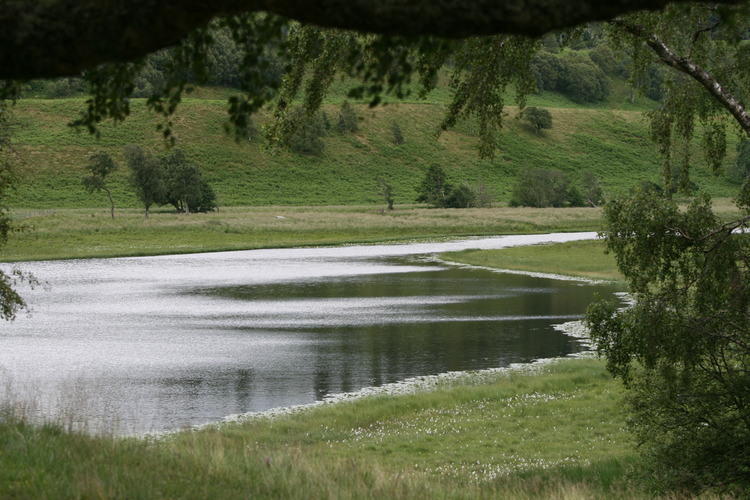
609 139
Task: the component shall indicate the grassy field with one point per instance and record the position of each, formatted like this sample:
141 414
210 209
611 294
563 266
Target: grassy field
586 259
79 233
558 434
610 139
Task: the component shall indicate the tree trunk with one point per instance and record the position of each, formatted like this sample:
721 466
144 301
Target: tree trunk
111 202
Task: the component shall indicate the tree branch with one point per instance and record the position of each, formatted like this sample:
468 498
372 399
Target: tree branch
52 38
690 68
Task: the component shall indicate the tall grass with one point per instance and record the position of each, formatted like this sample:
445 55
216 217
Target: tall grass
558 434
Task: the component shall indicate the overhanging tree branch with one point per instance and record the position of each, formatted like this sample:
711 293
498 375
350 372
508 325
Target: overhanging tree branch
52 38
693 70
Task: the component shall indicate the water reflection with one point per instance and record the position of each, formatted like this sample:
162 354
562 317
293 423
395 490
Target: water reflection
161 343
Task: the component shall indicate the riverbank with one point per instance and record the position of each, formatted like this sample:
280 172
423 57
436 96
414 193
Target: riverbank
552 433
83 233
584 259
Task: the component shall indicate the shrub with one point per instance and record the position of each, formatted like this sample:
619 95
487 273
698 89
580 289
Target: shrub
544 188
538 118
347 119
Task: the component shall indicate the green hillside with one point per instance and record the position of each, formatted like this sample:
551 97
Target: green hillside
609 139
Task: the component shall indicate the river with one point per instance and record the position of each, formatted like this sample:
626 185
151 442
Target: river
133 345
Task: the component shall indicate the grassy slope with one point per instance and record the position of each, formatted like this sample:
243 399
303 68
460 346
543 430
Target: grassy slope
609 139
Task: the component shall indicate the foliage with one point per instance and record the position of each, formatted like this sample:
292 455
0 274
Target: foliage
538 118
398 136
739 170
147 176
435 187
592 189
386 191
10 300
186 190
573 73
540 188
348 121
682 346
307 137
463 196
100 166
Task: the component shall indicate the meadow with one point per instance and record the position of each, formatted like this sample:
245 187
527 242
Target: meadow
82 233
555 431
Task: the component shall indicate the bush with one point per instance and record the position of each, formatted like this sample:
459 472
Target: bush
398 136
463 196
544 188
435 188
348 121
307 137
538 118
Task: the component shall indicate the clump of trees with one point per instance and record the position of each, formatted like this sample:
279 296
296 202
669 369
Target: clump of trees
169 180
439 192
573 74
536 187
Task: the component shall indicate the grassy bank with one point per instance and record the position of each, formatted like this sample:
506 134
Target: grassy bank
585 259
55 234
558 434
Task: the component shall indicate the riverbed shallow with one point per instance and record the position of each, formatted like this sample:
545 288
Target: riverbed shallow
162 343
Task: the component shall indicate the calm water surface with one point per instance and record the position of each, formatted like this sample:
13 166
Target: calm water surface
160 343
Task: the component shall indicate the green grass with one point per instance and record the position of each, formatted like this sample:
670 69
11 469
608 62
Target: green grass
79 233
585 259
611 140
558 434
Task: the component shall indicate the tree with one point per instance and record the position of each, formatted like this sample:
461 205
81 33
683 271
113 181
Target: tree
536 187
65 37
538 118
186 189
435 188
386 191
147 176
592 189
683 346
11 301
100 166
307 133
398 136
348 121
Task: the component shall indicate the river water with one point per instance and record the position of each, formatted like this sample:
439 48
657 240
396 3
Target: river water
163 343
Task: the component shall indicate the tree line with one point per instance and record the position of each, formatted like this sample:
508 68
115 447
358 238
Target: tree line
170 179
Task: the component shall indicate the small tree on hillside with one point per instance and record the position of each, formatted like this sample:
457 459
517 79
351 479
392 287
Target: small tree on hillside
186 189
435 187
540 188
538 118
592 189
348 121
147 176
386 191
99 167
398 136
307 137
